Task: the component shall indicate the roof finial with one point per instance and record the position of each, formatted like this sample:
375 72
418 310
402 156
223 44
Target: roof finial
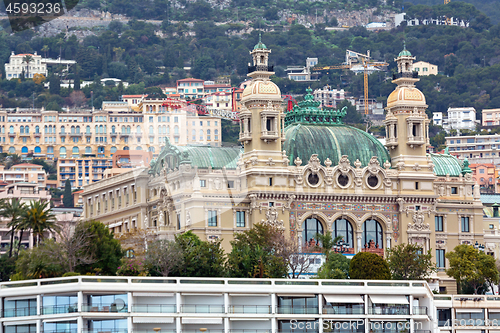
260 37
404 44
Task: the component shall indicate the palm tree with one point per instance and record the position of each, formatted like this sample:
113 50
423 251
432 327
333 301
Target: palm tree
39 219
45 49
28 59
13 210
327 241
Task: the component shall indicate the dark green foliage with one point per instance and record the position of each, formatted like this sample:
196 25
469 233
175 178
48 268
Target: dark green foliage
68 197
103 248
369 266
258 253
49 168
7 267
407 262
201 258
55 85
230 131
336 266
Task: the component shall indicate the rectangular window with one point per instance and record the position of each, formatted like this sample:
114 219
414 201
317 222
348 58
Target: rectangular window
270 181
440 263
179 221
203 183
230 184
439 223
416 185
454 190
212 218
240 219
465 224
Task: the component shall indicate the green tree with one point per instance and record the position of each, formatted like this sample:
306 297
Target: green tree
163 257
67 197
407 262
40 262
471 266
27 59
259 253
39 219
336 266
7 267
54 85
105 251
14 211
369 266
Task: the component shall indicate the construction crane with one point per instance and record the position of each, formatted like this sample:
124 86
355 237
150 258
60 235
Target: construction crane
356 62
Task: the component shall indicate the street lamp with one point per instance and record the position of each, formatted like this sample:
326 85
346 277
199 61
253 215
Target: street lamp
341 246
479 247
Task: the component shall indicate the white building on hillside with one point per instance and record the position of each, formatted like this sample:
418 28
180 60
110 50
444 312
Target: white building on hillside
461 118
16 66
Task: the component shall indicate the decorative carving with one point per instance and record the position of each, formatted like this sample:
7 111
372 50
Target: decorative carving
416 167
161 220
272 218
328 162
373 165
270 162
297 161
188 218
285 158
289 201
146 222
357 164
400 165
253 160
217 184
468 177
253 202
344 165
314 163
387 165
401 203
433 207
418 223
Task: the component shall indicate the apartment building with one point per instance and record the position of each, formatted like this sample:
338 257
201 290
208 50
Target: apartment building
476 148
461 118
85 304
133 100
16 66
24 173
484 174
81 171
329 96
490 117
302 73
425 68
190 88
437 118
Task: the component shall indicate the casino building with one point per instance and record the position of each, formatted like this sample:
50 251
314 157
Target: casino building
306 171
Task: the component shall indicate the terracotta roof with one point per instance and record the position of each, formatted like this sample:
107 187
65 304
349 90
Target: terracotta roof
133 96
190 79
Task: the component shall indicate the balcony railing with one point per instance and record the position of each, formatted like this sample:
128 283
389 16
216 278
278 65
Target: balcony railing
57 309
102 307
260 68
253 309
343 310
104 330
250 331
389 310
154 308
420 310
62 331
413 75
297 310
19 312
202 308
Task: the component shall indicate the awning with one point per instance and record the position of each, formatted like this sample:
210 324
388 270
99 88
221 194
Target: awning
469 310
493 310
113 225
152 320
214 321
389 299
343 298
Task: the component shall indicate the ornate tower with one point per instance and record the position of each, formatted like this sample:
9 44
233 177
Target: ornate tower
407 125
261 116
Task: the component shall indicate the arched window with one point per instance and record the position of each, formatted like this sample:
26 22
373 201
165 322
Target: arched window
126 148
50 150
151 130
113 129
342 227
12 150
176 129
77 129
151 149
72 129
76 151
63 130
113 150
372 230
201 135
27 130
88 150
38 150
138 148
105 129
128 130
164 129
216 132
138 131
208 132
87 130
37 129
168 129
159 130
11 129
21 130
24 150
124 130
101 129
100 150
62 152
310 228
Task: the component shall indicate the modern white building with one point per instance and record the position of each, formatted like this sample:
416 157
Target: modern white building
461 118
437 118
329 96
476 148
16 66
302 73
93 304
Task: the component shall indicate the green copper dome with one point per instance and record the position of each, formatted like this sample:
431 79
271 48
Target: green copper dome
260 45
405 52
332 142
445 164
